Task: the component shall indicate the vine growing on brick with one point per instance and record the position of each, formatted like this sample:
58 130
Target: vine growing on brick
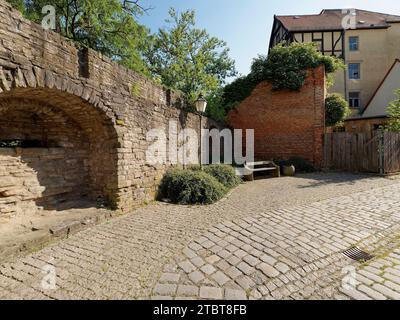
285 67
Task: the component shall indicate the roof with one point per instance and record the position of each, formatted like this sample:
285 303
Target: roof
392 68
331 19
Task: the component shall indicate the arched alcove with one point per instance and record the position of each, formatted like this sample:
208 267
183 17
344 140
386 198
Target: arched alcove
54 148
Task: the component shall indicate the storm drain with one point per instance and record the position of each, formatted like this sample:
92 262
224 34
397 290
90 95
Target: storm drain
357 254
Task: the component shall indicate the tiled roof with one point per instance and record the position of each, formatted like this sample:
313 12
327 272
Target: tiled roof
332 20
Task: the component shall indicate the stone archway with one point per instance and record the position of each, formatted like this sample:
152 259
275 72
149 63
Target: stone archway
56 147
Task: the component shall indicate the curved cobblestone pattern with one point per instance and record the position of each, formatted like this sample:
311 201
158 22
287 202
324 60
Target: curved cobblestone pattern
246 246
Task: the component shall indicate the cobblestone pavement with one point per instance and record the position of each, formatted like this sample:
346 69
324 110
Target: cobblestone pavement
246 246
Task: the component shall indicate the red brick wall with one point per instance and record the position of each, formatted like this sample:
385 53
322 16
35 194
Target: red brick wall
286 123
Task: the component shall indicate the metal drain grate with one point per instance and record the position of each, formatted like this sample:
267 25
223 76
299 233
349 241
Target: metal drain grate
357 254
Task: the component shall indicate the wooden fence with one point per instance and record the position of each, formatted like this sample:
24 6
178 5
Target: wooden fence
374 152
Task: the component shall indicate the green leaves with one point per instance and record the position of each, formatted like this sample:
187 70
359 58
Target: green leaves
188 59
108 26
336 109
393 111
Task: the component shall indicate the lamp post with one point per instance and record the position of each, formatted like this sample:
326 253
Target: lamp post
201 106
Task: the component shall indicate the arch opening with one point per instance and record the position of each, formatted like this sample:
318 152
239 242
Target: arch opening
56 152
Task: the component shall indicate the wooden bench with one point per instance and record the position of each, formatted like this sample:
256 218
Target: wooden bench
261 166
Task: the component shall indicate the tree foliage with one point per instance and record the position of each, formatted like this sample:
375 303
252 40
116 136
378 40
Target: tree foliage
188 59
108 26
336 109
393 111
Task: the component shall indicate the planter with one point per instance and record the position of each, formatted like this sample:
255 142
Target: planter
289 171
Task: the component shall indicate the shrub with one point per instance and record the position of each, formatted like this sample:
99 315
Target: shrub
302 165
394 113
190 187
225 174
336 108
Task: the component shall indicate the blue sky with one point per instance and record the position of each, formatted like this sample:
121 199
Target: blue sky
246 25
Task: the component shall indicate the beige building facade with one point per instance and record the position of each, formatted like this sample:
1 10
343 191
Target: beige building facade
369 49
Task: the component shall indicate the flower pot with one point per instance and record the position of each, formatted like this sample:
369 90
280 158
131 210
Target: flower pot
289 171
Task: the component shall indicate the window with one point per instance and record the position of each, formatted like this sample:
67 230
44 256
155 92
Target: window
354 43
354 99
354 71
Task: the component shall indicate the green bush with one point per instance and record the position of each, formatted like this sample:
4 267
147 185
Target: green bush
190 187
302 165
225 174
336 108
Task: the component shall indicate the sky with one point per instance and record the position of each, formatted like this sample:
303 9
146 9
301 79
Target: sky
246 25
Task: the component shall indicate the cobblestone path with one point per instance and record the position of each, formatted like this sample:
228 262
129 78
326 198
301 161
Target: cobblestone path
248 246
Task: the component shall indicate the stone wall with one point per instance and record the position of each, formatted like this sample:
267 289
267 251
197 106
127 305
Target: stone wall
103 109
286 123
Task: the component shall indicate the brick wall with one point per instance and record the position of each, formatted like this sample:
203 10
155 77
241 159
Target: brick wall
111 107
286 123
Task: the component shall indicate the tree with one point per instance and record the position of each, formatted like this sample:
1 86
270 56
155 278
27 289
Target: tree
188 59
18 4
336 108
108 26
394 113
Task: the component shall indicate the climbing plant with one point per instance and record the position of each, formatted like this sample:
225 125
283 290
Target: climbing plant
285 67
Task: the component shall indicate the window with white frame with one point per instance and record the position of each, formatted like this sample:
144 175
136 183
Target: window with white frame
354 100
354 71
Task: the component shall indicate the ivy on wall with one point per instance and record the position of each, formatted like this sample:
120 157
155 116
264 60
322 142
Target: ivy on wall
285 67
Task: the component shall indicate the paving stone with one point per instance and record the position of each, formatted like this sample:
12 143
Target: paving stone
386 291
393 286
165 289
251 260
187 291
211 293
220 278
161 298
198 262
187 266
282 267
213 259
196 277
372 293
106 255
169 278
232 260
189 253
268 259
268 270
208 269
245 282
231 294
233 272
245 268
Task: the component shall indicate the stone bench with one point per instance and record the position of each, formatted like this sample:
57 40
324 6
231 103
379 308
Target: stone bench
262 166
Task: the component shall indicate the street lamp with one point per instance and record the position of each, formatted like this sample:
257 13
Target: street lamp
201 106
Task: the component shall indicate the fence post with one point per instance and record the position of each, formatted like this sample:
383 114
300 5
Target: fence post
381 151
